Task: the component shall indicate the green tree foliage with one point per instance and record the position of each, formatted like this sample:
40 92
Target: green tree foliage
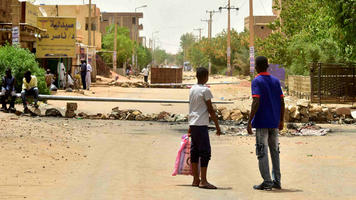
200 52
144 56
20 60
311 31
187 40
125 47
160 56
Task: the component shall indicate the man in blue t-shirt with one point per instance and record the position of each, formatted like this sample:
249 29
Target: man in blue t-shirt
267 116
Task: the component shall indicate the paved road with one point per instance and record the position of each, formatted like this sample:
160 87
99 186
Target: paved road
134 161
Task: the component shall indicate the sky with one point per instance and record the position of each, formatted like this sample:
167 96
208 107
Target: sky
173 18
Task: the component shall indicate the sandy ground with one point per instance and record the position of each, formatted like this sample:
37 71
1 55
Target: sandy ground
50 158
240 92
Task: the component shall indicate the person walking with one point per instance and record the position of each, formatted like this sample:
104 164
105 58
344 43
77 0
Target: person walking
88 76
83 73
145 73
29 88
267 116
7 90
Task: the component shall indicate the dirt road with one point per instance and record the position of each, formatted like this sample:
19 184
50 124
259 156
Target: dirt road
47 158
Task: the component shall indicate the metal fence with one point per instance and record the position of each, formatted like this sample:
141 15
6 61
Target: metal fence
299 86
332 83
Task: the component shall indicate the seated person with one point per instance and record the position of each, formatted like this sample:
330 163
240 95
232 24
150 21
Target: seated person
29 88
7 90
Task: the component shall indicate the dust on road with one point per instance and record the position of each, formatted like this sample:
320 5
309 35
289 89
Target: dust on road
49 158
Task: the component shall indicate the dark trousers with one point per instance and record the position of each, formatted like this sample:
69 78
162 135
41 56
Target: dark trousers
31 92
200 145
83 81
146 79
5 96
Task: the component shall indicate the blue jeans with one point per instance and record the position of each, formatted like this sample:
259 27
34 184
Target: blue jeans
268 137
31 92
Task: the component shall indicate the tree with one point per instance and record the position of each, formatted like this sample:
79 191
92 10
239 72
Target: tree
160 56
200 52
124 44
311 31
187 40
20 60
144 56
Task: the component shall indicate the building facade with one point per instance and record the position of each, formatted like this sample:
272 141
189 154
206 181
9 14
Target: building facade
22 15
81 12
260 25
130 20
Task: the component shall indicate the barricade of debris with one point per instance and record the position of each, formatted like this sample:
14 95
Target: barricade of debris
129 84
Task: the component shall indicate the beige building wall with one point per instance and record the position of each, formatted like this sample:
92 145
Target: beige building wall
128 20
81 12
260 25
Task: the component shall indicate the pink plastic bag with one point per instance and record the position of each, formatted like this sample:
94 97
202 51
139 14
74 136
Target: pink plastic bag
182 164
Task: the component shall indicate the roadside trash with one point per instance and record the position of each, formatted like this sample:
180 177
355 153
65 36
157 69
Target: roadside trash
308 129
353 114
310 155
182 164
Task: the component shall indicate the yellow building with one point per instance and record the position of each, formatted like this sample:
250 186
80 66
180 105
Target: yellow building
81 12
83 50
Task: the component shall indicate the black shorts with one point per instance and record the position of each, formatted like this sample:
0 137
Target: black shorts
200 145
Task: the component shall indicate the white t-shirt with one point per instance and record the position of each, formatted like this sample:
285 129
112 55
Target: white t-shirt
198 111
145 71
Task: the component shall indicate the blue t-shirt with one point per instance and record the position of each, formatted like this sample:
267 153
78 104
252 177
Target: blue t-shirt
268 89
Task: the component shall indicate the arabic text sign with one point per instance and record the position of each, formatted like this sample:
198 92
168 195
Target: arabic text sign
59 40
252 60
15 35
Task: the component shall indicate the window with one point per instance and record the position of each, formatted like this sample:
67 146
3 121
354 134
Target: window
93 24
93 27
133 20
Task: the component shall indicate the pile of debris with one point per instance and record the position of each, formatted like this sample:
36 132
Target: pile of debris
129 84
308 129
305 112
117 114
235 114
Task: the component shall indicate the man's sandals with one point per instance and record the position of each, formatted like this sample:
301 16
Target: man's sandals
208 186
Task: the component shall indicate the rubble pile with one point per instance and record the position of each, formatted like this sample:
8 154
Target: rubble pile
235 114
130 114
129 84
308 129
304 112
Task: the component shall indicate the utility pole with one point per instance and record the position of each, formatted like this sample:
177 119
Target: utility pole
199 29
15 12
114 60
252 39
89 25
210 29
228 50
93 74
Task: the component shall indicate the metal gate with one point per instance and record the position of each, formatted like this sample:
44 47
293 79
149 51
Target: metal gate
332 83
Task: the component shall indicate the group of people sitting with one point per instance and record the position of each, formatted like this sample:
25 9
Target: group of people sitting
29 88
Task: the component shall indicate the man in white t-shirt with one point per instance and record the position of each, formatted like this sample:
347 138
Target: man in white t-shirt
145 73
200 107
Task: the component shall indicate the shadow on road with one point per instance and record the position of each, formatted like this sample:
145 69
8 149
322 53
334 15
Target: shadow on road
219 188
286 191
